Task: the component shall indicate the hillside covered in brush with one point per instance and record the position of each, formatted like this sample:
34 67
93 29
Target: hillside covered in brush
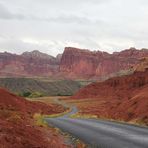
39 87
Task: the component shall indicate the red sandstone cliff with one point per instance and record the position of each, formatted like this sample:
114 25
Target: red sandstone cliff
28 64
73 63
86 64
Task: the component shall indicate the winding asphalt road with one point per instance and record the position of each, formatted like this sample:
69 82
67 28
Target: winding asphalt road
100 133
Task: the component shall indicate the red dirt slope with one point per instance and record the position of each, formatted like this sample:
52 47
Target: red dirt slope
124 98
17 127
13 102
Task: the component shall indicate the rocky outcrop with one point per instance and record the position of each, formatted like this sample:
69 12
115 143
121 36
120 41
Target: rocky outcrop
58 57
121 98
74 63
28 64
117 87
37 54
86 64
142 66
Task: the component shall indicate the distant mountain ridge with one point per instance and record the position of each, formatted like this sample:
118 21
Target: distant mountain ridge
28 64
74 63
37 54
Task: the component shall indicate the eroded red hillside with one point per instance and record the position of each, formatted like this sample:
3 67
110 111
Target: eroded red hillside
122 98
16 103
17 127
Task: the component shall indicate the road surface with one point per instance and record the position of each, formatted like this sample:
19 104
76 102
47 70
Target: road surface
100 133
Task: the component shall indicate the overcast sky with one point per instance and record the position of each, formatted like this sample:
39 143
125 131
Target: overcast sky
50 25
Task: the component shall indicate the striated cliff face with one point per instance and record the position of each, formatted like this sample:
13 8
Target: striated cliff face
73 63
85 64
28 64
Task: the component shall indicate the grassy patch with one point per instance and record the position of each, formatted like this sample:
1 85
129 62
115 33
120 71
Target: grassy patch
140 122
39 120
31 94
86 116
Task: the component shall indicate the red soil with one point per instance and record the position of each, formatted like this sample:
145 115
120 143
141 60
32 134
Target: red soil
124 98
18 129
13 102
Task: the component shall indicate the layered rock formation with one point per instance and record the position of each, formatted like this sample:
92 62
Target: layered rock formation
86 64
74 63
28 64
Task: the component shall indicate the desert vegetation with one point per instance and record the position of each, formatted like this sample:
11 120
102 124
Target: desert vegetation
37 87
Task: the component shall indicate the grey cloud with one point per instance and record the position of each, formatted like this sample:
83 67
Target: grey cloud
94 24
70 19
76 2
5 14
20 46
13 45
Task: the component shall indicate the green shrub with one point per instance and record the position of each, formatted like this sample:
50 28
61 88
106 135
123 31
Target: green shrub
26 94
35 95
31 94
